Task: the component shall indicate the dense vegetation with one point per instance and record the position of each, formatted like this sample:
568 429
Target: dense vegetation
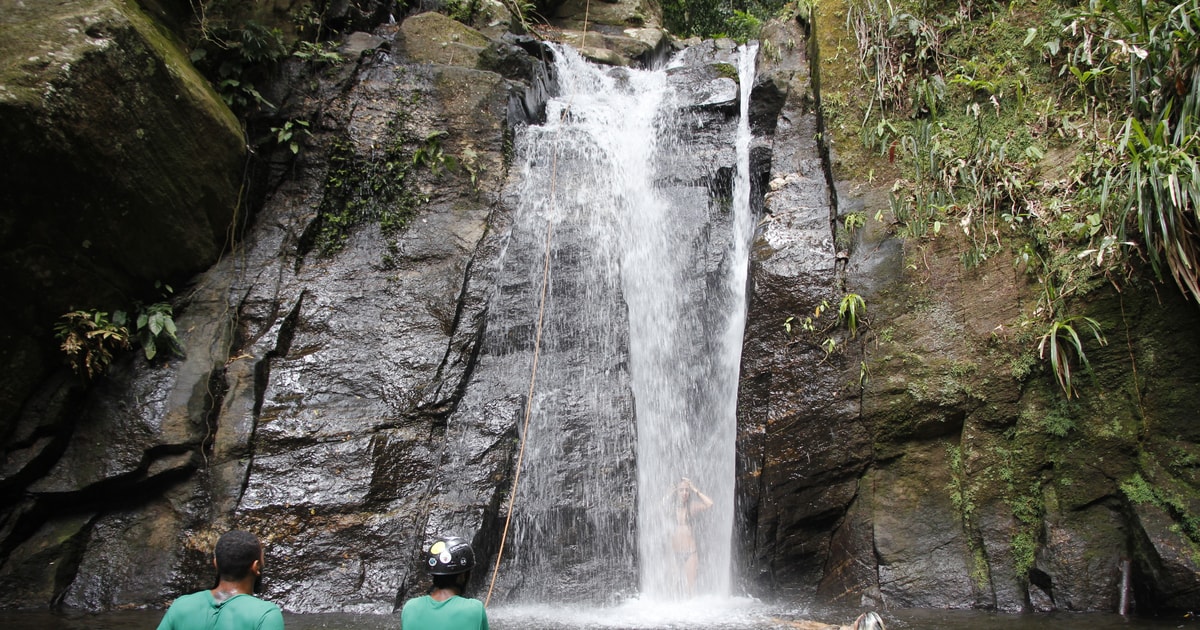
1060 135
739 19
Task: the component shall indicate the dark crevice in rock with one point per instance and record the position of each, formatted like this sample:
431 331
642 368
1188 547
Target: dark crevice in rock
488 540
126 491
67 568
440 410
1043 581
283 343
527 101
216 390
411 581
53 410
131 488
262 372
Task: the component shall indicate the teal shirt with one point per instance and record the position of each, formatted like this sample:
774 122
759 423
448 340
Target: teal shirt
456 613
199 611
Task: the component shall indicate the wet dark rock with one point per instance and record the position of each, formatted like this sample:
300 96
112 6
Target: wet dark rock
358 42
37 569
510 61
1081 557
797 470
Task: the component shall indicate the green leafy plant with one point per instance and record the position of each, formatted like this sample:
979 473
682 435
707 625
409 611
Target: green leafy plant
318 52
737 19
89 339
462 10
372 187
1163 179
742 26
964 108
526 11
291 133
851 310
471 164
156 330
807 324
1148 54
236 56
430 154
1062 340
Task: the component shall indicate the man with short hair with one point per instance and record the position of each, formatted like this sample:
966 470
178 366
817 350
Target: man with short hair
239 560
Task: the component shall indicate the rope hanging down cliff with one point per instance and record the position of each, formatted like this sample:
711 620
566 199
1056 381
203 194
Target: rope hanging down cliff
537 347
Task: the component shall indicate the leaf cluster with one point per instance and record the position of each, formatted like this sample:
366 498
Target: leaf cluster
379 187
1157 46
156 330
237 58
91 338
291 133
851 313
1061 341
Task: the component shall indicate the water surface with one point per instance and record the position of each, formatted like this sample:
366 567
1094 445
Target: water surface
699 614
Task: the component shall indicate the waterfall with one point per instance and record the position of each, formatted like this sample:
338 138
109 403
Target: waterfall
637 379
684 376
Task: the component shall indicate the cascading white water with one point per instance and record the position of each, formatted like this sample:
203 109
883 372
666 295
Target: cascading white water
684 369
644 315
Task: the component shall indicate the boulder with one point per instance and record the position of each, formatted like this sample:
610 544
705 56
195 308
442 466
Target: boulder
124 169
435 38
616 33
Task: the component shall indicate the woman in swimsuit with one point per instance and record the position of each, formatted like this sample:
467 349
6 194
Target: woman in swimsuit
688 502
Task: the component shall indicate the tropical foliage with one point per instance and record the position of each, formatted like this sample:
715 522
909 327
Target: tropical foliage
1153 49
974 106
739 19
156 330
240 54
89 339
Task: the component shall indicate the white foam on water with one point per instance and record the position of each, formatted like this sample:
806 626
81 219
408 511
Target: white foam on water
706 611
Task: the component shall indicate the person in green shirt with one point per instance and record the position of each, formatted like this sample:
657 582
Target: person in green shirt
449 562
239 560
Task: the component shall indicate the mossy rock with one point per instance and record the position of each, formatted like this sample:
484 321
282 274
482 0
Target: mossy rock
124 166
435 38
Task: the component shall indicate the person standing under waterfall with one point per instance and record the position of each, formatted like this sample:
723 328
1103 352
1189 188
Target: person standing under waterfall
689 501
449 561
231 605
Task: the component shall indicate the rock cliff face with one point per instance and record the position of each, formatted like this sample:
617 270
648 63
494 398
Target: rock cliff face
346 390
929 460
123 169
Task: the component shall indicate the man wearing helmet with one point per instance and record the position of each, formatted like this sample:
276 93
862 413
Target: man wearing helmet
449 560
